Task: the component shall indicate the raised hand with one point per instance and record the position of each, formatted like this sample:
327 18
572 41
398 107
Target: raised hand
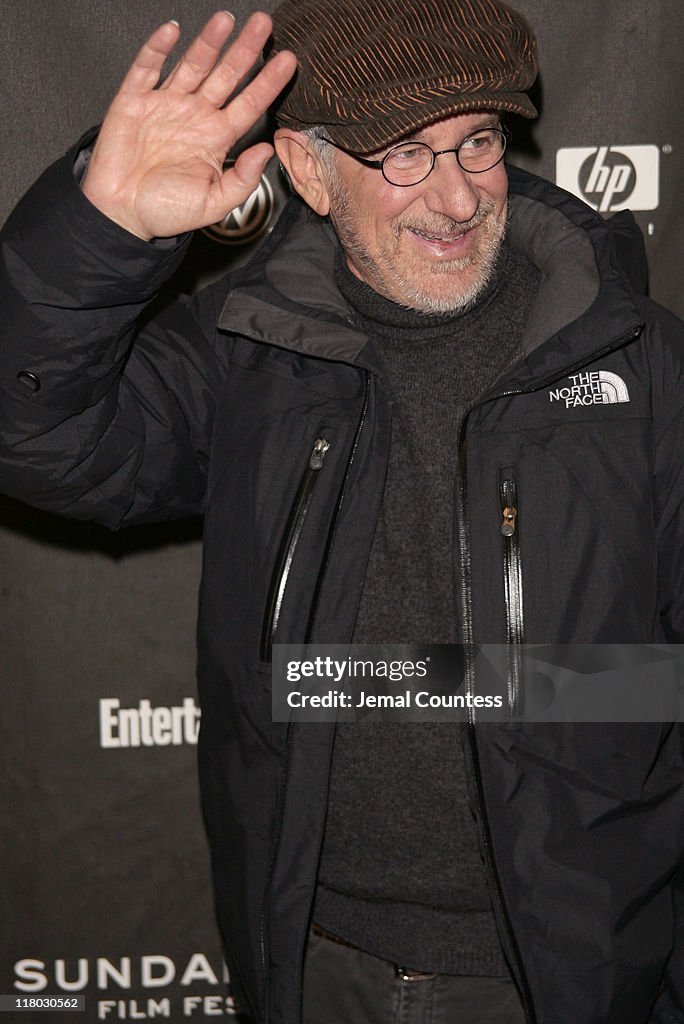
157 165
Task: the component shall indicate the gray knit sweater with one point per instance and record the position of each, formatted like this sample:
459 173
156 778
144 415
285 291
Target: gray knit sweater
400 874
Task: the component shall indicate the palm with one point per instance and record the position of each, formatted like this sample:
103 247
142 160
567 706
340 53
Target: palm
157 167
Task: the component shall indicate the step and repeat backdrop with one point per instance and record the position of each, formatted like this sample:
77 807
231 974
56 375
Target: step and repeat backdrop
104 889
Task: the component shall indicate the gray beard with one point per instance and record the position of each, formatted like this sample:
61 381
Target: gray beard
390 283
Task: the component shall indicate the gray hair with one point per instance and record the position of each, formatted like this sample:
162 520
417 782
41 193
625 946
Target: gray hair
317 137
323 148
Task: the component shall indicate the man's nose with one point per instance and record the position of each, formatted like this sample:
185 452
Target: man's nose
451 190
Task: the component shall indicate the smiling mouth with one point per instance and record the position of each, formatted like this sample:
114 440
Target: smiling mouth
453 236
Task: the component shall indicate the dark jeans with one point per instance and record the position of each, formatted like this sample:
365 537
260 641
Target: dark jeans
343 985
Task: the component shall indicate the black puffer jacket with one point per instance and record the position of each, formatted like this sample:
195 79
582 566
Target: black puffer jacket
217 406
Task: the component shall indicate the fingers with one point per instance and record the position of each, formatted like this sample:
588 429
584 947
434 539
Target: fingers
238 60
201 71
248 168
202 54
242 179
146 68
256 98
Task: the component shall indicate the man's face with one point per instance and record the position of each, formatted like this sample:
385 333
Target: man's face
431 246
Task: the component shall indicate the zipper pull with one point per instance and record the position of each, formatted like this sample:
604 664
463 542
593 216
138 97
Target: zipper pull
318 454
508 524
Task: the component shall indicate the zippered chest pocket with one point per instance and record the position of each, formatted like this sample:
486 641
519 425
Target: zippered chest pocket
513 586
512 559
289 549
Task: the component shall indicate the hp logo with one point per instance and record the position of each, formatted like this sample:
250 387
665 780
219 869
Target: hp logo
611 178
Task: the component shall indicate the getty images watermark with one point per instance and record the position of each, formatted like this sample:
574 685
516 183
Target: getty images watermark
480 683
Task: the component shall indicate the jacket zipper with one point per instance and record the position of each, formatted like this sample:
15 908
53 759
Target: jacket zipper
317 590
513 591
465 591
338 507
293 532
471 752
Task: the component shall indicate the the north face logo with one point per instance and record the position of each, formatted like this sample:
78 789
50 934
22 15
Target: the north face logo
597 387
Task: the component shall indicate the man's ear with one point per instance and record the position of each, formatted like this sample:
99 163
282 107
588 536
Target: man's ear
304 168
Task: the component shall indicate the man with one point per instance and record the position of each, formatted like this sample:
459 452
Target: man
363 415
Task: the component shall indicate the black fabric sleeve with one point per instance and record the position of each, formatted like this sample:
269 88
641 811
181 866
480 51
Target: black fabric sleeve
666 350
106 397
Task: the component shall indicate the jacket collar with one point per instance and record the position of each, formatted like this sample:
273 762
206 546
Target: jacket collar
287 296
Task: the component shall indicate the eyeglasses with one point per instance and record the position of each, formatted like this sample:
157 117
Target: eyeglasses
409 163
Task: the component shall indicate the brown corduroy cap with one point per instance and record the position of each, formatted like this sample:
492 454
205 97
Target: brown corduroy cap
372 71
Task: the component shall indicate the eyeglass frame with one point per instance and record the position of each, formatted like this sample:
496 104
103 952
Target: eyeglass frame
501 130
